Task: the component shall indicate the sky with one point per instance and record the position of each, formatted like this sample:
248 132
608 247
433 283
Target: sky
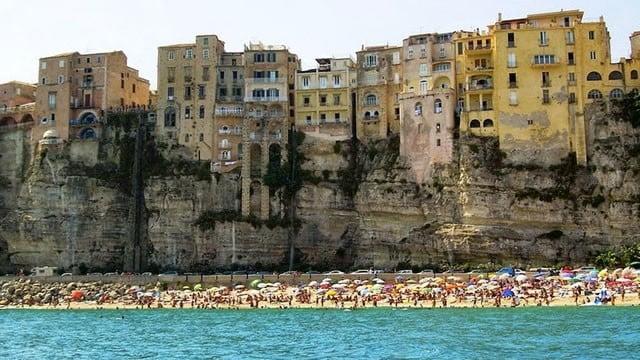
312 29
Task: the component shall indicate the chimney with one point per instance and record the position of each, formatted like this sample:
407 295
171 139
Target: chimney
499 16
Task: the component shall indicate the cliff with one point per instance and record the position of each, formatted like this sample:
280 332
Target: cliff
359 206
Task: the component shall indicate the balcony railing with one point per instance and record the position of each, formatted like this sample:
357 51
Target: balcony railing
546 83
20 108
266 99
224 145
261 137
265 114
230 132
370 118
266 80
229 112
479 87
480 108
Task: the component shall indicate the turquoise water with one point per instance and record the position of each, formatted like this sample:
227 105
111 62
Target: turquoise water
523 333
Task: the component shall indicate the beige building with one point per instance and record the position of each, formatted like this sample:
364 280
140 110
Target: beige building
379 78
428 101
186 94
323 97
229 112
17 104
76 90
268 112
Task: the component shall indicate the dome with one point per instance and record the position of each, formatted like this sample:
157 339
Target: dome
50 134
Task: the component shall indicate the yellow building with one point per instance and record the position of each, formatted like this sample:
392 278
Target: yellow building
76 90
323 97
270 72
379 78
186 92
529 80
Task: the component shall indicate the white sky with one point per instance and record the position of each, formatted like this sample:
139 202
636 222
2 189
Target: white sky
311 29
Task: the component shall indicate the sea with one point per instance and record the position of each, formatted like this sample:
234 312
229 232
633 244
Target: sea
379 333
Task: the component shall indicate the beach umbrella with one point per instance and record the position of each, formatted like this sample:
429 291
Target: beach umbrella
254 284
399 278
508 293
186 287
197 287
454 278
521 278
603 273
410 281
624 280
239 287
379 281
344 281
314 283
331 292
77 295
327 280
504 276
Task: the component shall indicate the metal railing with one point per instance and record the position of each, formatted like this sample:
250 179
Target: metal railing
266 99
266 80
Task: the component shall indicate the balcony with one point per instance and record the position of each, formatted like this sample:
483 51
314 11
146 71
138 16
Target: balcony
480 69
513 84
188 79
480 108
266 99
546 84
266 80
202 96
229 112
265 115
224 145
479 50
370 118
187 97
480 87
264 137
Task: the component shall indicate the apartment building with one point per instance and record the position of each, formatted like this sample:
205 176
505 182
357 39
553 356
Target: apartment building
76 90
427 101
379 79
187 85
529 81
323 97
269 100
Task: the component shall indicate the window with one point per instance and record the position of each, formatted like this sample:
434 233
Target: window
61 63
423 87
594 76
205 73
222 93
323 100
513 98
308 120
187 74
437 142
442 51
336 99
572 98
205 53
410 53
170 92
616 94
236 91
544 59
60 79
370 60
460 47
371 100
592 55
545 97
437 128
133 88
570 37
546 81
306 101
323 118
572 78
271 57
418 108
475 123
187 112
423 70
634 74
544 41
88 60
186 138
336 80
592 35
511 40
171 55
395 58
273 93
170 117
423 52
201 112
43 65
529 122
258 57
615 75
336 117
570 59
187 92
305 82
221 76
511 60
188 54
171 74
444 67
437 106
322 80
52 100
205 41
513 80
201 92
594 94
487 123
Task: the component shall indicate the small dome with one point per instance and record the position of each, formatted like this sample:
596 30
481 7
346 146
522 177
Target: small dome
50 134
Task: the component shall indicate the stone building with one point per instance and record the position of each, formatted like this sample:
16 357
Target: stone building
323 97
530 80
428 101
17 105
76 90
187 85
268 112
379 78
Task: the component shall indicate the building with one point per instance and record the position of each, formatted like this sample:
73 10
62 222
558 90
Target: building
270 72
76 90
17 105
428 101
530 80
187 85
229 112
379 79
323 97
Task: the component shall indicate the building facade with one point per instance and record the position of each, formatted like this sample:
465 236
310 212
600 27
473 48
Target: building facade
76 90
17 104
323 97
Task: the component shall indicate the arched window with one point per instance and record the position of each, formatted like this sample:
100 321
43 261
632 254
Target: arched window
224 129
594 94
437 106
224 143
371 99
594 76
367 115
487 123
634 74
88 118
615 75
170 117
616 94
418 108
375 114
475 123
88 133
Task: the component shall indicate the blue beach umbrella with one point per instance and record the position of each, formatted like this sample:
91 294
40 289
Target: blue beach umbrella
508 293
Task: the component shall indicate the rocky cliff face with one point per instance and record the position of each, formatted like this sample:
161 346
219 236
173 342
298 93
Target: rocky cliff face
361 207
